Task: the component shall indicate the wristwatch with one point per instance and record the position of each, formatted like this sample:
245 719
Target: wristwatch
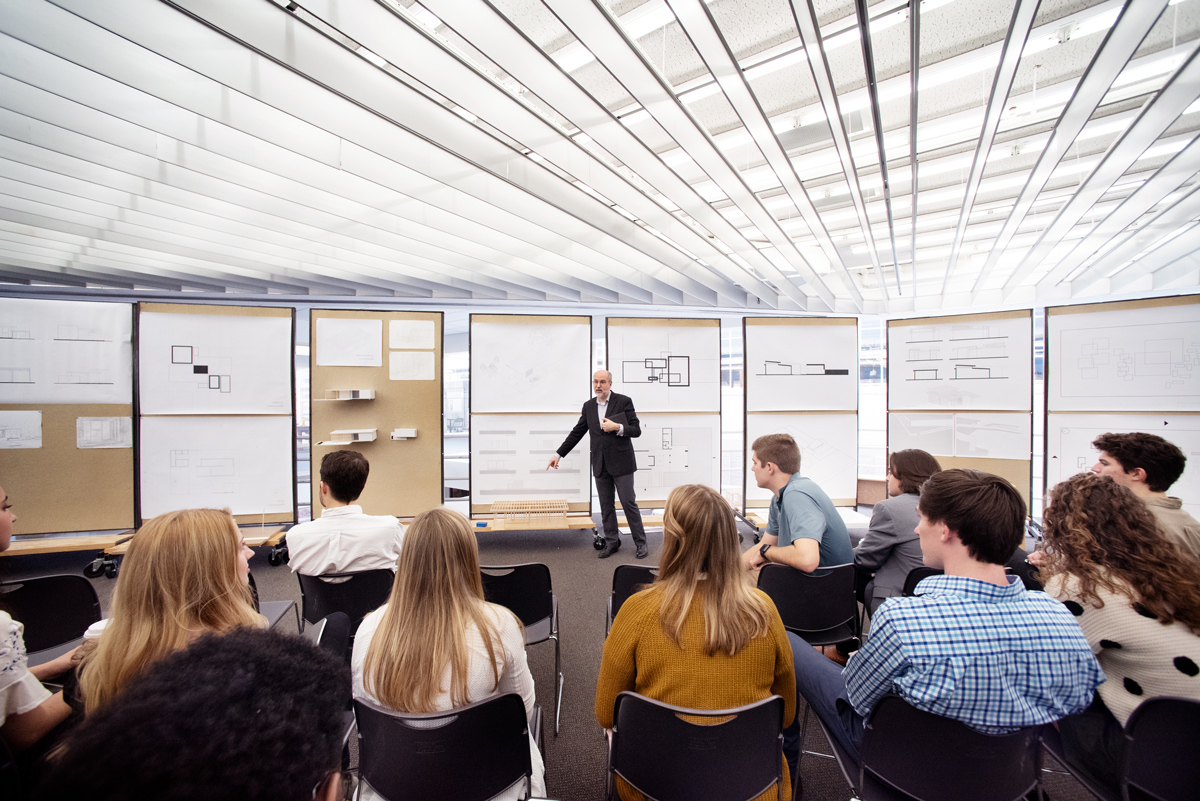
763 550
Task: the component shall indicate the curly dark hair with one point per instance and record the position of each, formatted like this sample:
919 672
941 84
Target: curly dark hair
1104 536
247 715
1163 461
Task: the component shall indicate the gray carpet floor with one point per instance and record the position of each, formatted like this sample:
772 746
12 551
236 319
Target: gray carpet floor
576 759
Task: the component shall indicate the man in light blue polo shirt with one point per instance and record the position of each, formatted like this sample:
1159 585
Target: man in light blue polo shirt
804 530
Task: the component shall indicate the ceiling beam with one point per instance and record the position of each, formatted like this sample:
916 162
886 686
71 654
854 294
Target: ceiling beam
914 70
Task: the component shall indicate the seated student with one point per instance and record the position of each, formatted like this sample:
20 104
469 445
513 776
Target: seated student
28 712
248 716
1137 602
701 636
186 573
436 645
343 539
804 530
891 547
975 646
1148 466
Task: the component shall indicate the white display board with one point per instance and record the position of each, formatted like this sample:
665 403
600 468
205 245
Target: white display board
1131 359
965 362
521 365
509 454
676 449
828 451
962 434
1069 446
800 367
666 368
240 463
214 364
348 342
55 351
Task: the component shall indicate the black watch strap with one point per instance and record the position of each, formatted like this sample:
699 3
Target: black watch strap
763 550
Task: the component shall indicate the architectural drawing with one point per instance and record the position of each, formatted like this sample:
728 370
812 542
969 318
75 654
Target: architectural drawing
20 430
509 453
1069 446
1124 360
801 367
961 365
666 366
828 451
932 432
529 366
674 450
243 463
992 436
188 366
103 432
65 352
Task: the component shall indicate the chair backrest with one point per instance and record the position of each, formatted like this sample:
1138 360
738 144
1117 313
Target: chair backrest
54 609
334 634
525 589
363 593
916 575
930 757
1160 755
671 753
628 579
468 754
811 603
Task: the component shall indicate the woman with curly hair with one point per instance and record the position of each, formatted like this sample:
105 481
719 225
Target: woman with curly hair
1136 595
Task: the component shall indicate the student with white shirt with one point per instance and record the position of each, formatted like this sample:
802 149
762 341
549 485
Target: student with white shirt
343 539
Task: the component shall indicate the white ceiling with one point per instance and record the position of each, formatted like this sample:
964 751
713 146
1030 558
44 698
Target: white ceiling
604 151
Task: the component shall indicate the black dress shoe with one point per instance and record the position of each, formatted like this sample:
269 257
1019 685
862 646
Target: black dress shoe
609 549
642 552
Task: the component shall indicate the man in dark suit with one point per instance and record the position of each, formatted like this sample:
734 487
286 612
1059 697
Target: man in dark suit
611 422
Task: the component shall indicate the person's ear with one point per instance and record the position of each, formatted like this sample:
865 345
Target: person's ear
1137 474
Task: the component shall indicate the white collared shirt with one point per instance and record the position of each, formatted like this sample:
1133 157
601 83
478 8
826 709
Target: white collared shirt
602 412
344 540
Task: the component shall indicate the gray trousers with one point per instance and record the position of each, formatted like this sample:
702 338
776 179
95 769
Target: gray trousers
605 484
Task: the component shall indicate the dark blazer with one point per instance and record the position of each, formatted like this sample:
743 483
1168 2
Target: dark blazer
609 451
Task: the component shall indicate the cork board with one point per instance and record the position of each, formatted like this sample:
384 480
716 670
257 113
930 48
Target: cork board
1018 472
193 418
59 487
406 475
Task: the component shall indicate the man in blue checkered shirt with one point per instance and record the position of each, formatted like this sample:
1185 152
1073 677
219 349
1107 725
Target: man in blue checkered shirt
973 645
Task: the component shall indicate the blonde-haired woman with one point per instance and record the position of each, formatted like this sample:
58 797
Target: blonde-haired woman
436 645
701 636
185 574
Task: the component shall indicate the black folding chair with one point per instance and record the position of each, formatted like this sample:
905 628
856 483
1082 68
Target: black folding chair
671 753
911 755
819 606
915 576
1052 743
468 754
361 593
526 590
55 610
274 611
331 633
627 579
1160 751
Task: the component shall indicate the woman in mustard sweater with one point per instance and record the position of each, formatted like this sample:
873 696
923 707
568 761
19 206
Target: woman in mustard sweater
701 636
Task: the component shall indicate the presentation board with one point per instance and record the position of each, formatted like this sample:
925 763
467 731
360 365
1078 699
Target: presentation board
794 364
212 362
54 351
356 385
828 452
673 450
1124 357
988 435
509 454
966 362
529 363
66 393
1069 448
666 365
240 463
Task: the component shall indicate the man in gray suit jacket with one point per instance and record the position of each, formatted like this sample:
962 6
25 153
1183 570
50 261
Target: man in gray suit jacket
611 423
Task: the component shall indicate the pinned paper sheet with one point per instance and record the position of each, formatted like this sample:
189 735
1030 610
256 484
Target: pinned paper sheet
343 342
20 430
411 334
103 432
411 366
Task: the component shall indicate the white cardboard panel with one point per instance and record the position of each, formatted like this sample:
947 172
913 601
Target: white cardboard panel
801 367
828 449
667 368
530 367
676 449
509 454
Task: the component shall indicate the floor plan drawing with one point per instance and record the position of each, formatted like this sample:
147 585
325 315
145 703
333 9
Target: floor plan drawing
509 454
961 365
828 451
666 366
801 367
1124 360
674 450
188 366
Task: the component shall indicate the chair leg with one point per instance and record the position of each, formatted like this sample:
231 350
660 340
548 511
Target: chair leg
559 680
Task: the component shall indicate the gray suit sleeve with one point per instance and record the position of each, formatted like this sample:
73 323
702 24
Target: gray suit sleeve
877 545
